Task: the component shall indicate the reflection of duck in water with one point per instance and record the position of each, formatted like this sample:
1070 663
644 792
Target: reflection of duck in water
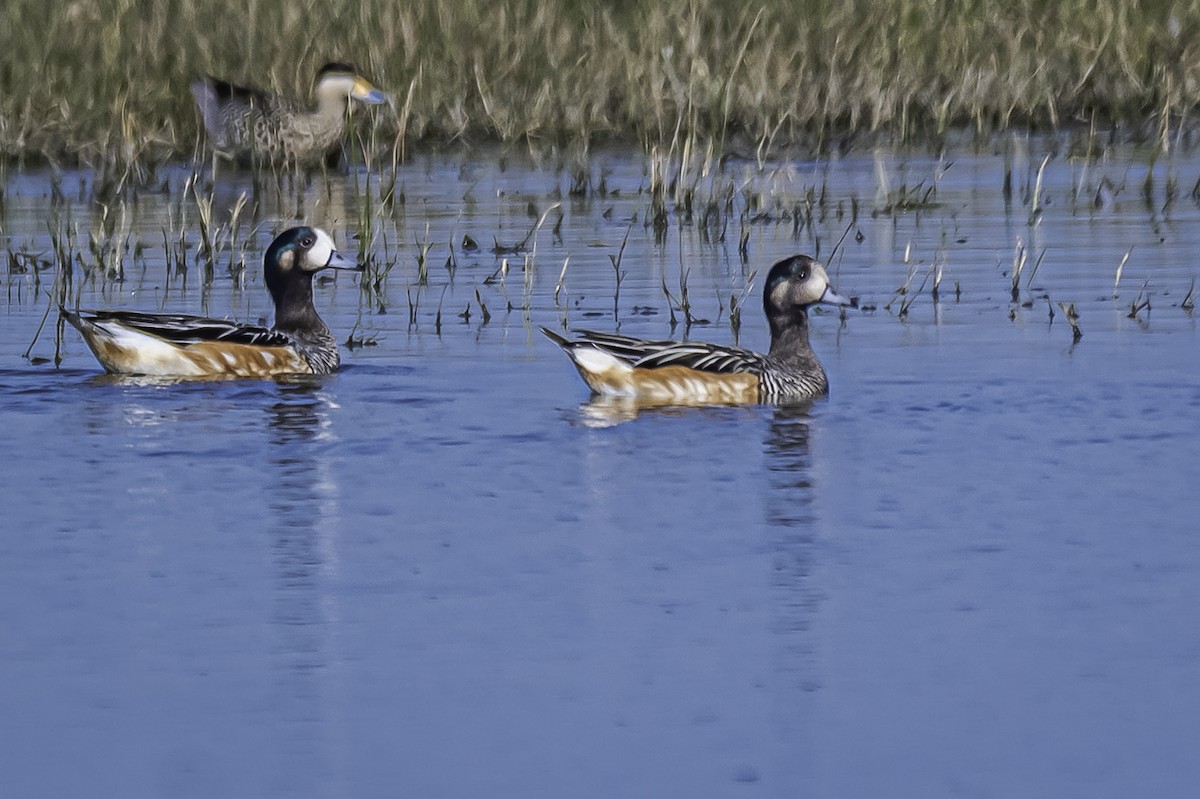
689 372
251 123
177 345
798 586
789 463
304 525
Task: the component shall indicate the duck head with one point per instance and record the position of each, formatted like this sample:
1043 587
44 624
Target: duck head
290 262
336 81
794 284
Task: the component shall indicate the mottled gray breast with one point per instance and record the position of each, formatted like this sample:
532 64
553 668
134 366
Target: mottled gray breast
320 350
781 382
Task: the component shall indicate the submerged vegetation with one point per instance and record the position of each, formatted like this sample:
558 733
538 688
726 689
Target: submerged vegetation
705 94
105 81
623 238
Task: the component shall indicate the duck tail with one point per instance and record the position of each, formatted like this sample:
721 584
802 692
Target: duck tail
557 338
74 317
208 103
601 370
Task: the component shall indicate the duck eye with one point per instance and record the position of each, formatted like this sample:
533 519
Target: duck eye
307 242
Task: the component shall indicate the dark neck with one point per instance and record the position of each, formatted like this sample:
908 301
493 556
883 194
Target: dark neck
294 311
789 333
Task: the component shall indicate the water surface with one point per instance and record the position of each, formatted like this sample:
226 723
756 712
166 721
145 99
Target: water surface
443 572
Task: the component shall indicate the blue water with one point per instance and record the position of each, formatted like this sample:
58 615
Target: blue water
444 573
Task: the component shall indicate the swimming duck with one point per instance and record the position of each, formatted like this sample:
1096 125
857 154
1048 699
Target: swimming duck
262 126
689 372
177 345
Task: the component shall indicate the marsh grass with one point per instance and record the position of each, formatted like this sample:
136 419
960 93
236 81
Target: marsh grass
736 303
105 82
1072 315
618 274
699 196
1140 303
1020 258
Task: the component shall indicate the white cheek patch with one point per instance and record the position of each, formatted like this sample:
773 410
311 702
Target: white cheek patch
814 288
320 253
336 86
779 294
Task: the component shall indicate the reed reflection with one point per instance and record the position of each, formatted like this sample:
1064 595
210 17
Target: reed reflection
319 198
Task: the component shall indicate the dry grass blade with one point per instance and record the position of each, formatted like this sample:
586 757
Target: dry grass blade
1073 320
1035 207
1140 303
620 273
736 303
562 276
483 309
1120 269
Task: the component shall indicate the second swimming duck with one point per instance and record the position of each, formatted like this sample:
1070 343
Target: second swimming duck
689 372
266 128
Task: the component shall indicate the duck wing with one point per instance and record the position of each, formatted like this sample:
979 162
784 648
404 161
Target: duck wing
226 93
645 354
184 329
229 111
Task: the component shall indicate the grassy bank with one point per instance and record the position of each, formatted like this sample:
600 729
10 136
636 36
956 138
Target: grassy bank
107 80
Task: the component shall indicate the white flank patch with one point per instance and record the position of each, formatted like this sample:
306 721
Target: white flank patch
593 360
320 253
141 353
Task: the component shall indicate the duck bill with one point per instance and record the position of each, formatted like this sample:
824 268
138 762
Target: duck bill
831 297
366 93
339 261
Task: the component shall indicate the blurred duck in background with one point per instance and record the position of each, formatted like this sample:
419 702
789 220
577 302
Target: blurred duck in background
263 128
